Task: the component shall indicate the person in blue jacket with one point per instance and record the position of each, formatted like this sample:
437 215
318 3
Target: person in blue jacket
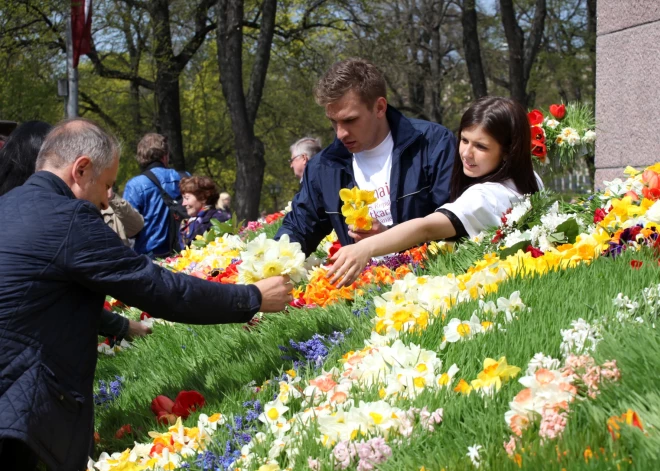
153 156
406 162
59 260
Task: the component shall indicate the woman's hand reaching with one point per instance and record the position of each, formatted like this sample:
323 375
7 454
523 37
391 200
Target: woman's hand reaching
347 264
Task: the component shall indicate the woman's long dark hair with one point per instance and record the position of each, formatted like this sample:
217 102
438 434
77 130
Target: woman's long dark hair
19 154
505 120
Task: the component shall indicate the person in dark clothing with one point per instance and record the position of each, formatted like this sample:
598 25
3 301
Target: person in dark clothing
200 196
407 163
19 154
59 261
17 161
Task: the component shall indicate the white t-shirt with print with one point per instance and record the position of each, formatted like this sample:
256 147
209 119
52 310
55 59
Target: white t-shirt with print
372 170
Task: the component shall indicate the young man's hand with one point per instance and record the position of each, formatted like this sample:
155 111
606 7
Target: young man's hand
275 293
376 228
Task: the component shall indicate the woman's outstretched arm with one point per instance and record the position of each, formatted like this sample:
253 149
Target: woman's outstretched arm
350 260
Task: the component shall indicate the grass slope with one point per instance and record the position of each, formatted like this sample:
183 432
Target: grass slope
219 361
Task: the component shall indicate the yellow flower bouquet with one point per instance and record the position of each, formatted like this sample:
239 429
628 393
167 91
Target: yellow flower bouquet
356 207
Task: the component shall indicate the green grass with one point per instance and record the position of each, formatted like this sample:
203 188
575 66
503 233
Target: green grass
219 361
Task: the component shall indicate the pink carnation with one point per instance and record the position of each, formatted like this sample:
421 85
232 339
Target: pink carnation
510 446
553 423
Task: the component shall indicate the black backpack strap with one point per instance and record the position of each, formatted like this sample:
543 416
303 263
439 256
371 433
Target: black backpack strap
164 194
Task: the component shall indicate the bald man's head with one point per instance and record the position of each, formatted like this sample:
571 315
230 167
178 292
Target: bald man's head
76 137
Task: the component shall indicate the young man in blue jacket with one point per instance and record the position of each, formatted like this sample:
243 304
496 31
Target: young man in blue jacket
143 194
59 261
406 162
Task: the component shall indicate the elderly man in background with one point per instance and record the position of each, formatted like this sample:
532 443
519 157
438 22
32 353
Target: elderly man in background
59 261
224 206
301 151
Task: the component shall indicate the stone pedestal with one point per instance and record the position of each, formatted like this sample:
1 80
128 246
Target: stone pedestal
627 86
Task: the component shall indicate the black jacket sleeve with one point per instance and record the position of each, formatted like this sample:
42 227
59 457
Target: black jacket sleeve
113 325
94 256
307 223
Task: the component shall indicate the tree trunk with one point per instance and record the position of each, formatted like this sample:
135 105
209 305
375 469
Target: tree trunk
250 163
167 83
169 115
522 54
472 49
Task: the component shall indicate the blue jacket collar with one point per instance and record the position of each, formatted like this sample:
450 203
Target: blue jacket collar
50 181
403 134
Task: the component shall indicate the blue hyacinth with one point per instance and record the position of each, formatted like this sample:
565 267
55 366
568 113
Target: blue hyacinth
108 392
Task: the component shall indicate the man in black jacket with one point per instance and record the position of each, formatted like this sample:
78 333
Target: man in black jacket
59 260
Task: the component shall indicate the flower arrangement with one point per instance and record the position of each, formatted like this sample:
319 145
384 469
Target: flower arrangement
562 134
356 207
378 401
264 258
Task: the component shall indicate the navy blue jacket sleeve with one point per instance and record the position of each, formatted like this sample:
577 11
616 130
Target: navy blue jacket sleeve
112 324
307 222
442 154
94 256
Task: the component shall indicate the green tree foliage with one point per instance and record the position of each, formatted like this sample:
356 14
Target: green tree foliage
419 44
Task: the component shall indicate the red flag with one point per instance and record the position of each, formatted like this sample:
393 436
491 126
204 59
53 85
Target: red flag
81 28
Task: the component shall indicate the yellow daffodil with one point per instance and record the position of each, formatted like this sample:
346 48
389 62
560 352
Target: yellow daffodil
494 374
463 387
630 171
360 219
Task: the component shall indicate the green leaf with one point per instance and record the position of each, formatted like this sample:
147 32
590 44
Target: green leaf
570 228
514 248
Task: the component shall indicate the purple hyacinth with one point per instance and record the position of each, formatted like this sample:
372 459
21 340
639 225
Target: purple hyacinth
108 392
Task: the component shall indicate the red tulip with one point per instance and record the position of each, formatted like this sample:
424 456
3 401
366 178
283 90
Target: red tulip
107 305
336 245
162 404
123 430
187 402
539 149
651 193
166 419
536 253
650 178
558 111
538 134
636 264
599 215
632 195
535 117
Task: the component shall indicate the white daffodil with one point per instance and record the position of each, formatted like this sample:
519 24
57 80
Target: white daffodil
473 454
457 330
552 123
589 137
445 379
272 412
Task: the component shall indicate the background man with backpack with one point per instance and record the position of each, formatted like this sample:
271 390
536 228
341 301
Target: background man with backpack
155 194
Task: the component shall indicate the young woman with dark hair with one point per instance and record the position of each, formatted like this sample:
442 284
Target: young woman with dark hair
19 154
492 171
